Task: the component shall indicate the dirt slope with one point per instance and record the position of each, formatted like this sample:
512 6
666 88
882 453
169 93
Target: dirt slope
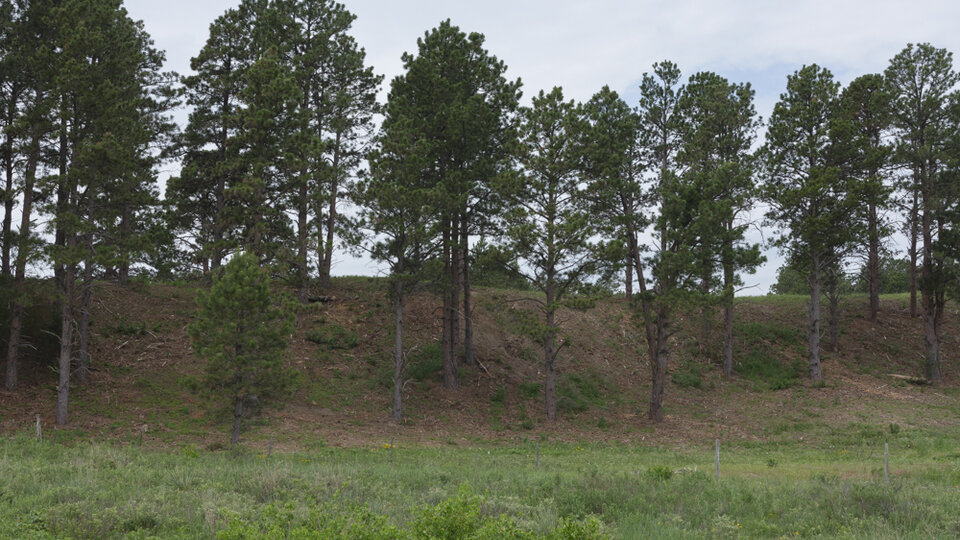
145 376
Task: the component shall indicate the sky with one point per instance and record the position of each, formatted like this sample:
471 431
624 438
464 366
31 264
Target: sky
584 45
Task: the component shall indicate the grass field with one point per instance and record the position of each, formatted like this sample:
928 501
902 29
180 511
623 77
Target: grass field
798 460
765 490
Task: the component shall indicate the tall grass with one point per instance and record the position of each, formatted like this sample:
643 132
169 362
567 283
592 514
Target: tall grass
86 490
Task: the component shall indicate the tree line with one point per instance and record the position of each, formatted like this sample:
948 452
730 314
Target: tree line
285 130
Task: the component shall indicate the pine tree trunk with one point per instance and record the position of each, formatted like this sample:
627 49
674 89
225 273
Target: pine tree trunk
468 354
303 237
398 362
237 418
59 237
320 222
449 311
628 279
66 339
8 198
219 195
216 250
549 353
813 332
705 315
549 343
456 270
931 339
454 303
873 262
7 210
83 327
331 216
123 272
728 278
931 313
658 367
912 251
19 278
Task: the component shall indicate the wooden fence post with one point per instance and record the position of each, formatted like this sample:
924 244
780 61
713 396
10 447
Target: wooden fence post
716 465
886 462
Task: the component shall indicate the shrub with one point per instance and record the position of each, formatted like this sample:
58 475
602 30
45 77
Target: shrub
688 376
425 362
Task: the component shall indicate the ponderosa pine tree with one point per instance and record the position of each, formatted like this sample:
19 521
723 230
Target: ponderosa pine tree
241 332
923 83
328 130
339 99
11 86
397 213
549 224
102 66
717 128
456 108
866 106
809 197
611 161
197 198
268 156
672 261
30 61
632 201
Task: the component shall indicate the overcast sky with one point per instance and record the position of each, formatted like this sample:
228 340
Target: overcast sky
583 45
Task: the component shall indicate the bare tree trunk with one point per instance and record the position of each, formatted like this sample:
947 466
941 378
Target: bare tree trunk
658 366
813 333
331 215
912 250
7 209
66 339
468 354
320 222
931 313
237 418
450 307
549 348
83 327
728 278
455 273
932 342
219 229
705 314
873 261
549 353
123 272
398 361
628 279
8 201
303 236
59 236
19 279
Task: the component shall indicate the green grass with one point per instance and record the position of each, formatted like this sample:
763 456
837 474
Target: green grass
762 362
334 337
765 490
579 392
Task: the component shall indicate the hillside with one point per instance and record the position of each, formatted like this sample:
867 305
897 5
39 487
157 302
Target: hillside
144 374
